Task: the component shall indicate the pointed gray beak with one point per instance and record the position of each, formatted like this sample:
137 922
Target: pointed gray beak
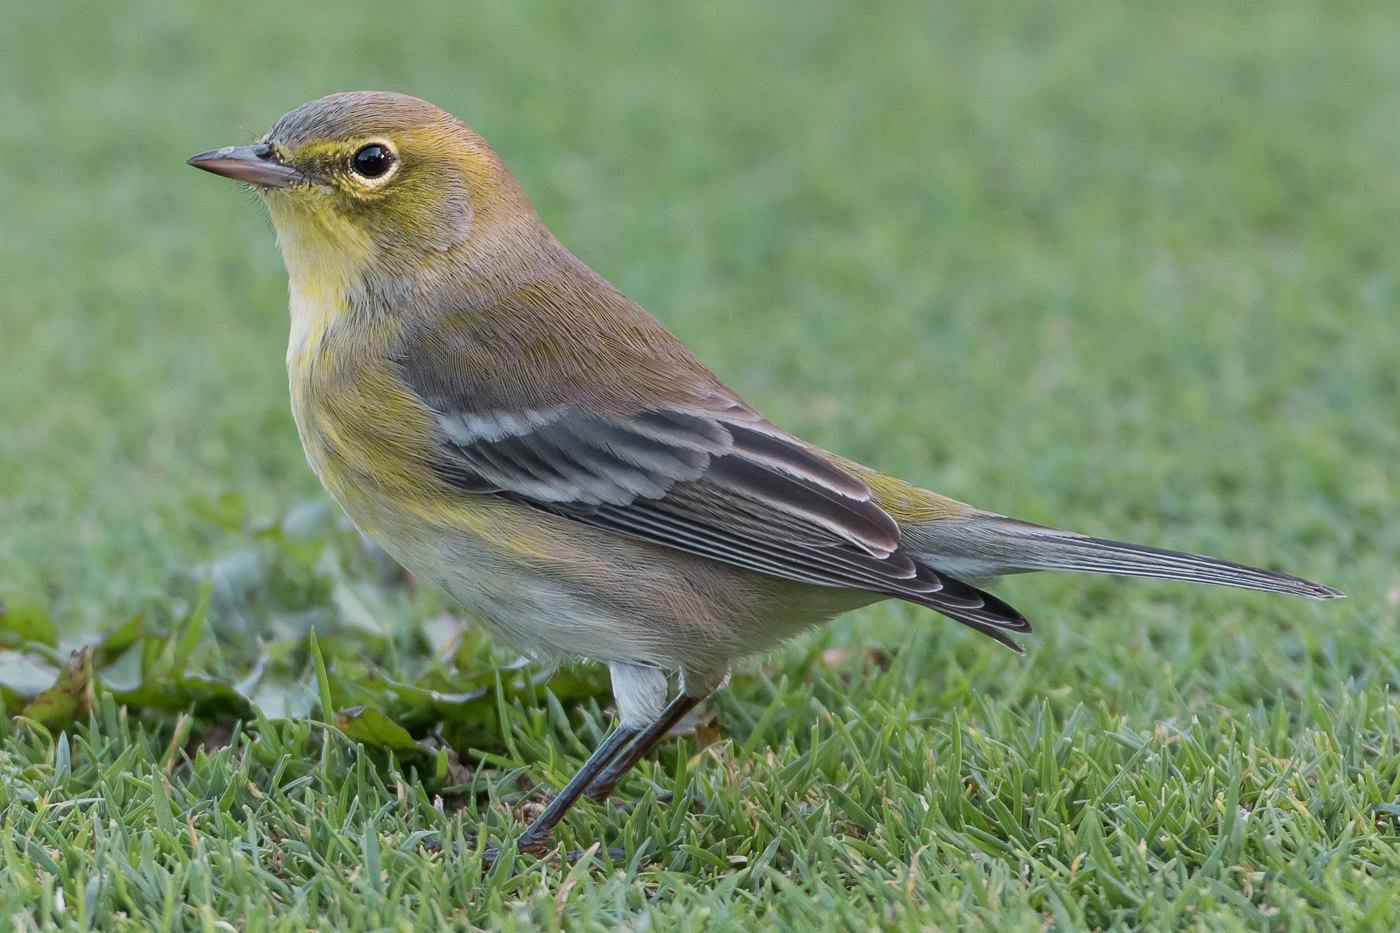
257 165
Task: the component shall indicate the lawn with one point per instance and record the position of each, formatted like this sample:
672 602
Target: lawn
1129 269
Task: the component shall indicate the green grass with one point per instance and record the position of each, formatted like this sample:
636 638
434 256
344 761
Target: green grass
1125 268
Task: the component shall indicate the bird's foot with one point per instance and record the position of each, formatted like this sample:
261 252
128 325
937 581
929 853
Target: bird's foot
697 802
540 849
543 851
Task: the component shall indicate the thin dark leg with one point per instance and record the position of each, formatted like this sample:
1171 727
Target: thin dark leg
537 835
603 784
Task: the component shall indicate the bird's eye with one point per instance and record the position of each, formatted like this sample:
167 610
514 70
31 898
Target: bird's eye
371 161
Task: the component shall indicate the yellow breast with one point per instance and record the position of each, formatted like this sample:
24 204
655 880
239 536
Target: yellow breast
359 424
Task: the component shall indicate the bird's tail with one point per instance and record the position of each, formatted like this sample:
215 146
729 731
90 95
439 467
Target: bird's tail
987 545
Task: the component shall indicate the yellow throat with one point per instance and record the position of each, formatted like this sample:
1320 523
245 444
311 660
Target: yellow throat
325 256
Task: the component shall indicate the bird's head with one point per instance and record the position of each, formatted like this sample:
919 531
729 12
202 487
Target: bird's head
384 192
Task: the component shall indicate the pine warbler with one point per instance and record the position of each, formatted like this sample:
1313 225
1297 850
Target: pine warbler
521 436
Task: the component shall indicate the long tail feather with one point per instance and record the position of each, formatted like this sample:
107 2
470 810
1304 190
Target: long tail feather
1096 555
991 545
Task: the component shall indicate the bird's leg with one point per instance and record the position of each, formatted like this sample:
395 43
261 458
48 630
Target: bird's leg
537 835
604 768
602 785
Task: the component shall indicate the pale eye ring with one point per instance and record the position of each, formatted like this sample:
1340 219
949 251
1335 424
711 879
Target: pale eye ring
372 160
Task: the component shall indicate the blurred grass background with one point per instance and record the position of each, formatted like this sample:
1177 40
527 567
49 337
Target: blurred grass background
1125 268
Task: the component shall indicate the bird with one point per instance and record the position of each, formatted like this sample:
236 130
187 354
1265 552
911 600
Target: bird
524 438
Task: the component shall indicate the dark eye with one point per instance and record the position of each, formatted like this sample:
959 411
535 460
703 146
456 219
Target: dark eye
372 161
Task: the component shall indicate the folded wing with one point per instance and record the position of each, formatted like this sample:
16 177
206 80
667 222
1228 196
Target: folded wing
722 483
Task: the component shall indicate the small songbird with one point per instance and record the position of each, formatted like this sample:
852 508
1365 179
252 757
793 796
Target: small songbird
521 436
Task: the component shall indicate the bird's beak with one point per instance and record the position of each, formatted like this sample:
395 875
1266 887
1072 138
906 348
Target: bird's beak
257 165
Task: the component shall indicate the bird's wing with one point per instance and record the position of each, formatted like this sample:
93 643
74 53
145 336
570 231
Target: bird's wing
725 484
733 489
